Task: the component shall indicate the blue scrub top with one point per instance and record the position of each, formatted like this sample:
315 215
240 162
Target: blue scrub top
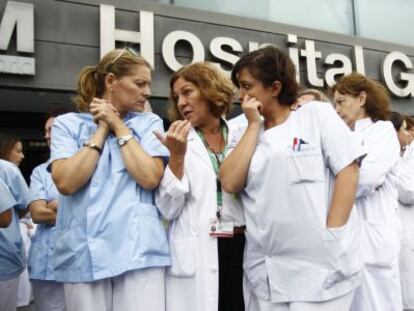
14 194
39 262
111 224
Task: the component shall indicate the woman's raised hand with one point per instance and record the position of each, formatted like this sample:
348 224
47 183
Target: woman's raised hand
176 137
252 109
104 113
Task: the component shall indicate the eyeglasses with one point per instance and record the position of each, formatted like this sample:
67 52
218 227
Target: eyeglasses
128 49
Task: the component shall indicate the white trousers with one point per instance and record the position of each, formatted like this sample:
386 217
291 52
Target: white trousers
48 295
342 303
8 294
138 290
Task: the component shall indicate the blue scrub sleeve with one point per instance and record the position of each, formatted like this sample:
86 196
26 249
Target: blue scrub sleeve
64 145
37 187
7 201
340 146
150 142
13 179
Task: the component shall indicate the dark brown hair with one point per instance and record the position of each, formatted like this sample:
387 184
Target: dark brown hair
377 104
410 122
7 143
213 85
269 65
396 119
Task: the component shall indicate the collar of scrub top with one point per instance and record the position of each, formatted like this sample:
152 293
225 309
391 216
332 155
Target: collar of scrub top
362 124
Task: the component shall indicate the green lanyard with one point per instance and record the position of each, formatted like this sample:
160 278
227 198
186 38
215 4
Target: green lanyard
216 160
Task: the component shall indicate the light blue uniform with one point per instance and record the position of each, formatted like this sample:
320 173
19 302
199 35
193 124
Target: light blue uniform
40 254
111 224
14 194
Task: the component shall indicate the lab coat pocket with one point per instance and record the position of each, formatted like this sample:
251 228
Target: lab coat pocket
343 260
381 245
182 257
306 166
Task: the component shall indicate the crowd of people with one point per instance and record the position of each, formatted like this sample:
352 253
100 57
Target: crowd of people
301 203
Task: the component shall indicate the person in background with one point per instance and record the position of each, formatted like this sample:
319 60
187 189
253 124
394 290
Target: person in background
207 262
11 149
111 247
410 125
364 106
47 293
406 200
296 172
14 197
307 95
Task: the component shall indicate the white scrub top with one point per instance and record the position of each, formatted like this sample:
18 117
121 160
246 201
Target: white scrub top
14 194
290 254
111 224
39 262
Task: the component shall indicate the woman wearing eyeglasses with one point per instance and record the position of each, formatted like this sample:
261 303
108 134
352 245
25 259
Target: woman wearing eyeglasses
110 246
206 232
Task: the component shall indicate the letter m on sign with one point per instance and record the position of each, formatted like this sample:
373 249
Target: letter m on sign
21 16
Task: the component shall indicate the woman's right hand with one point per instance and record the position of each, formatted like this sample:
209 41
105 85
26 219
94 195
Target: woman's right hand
176 138
104 113
252 109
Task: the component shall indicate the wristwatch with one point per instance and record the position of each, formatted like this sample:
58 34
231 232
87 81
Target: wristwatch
124 139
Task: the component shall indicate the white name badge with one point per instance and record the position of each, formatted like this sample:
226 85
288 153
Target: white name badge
221 228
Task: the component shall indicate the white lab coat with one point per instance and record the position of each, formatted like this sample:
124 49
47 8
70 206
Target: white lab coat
406 199
190 203
378 209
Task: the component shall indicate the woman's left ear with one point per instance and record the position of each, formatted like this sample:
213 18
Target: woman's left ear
362 98
110 81
276 88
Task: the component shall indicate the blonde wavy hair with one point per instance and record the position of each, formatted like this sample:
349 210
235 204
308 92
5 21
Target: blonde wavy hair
213 85
91 81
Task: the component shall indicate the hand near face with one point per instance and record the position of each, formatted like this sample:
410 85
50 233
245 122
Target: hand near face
252 109
176 138
104 113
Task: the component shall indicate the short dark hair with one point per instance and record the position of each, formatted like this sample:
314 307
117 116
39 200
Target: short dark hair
269 65
7 143
396 119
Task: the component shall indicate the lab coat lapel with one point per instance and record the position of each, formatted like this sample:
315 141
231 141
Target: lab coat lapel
197 147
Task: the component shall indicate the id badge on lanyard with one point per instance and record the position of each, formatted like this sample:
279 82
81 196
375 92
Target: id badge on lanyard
220 227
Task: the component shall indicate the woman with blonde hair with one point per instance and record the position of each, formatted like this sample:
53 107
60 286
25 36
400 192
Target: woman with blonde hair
110 244
206 231
364 106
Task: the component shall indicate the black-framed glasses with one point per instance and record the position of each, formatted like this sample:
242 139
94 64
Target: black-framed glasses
128 49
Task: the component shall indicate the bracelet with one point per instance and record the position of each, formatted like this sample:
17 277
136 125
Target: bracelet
91 145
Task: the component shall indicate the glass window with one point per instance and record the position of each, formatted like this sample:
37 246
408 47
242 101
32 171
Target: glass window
335 16
386 20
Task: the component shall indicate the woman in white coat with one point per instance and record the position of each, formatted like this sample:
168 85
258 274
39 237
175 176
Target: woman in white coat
296 173
364 105
406 200
206 231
